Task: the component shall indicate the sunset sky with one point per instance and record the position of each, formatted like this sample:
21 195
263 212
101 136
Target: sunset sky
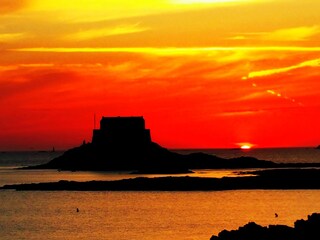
204 74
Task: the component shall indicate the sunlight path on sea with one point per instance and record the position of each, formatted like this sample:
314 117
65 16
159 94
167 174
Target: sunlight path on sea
146 215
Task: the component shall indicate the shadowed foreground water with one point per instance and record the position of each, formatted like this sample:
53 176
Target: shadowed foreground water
143 215
146 215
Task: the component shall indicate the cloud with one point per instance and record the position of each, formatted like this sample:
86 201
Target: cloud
9 37
239 113
268 72
238 37
287 34
105 32
292 34
7 6
96 10
18 80
252 96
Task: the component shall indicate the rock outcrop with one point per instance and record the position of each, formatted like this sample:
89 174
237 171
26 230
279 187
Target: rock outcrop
303 230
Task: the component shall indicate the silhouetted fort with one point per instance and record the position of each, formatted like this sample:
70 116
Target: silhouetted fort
124 143
121 130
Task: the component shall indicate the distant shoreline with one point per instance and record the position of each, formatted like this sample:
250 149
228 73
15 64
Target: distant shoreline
264 179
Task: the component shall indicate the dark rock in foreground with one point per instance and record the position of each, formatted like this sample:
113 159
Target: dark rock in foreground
267 179
303 230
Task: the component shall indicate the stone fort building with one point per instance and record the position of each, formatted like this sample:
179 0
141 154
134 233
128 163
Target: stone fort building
121 131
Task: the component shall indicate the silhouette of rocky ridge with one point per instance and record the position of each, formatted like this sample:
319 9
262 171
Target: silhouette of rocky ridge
303 230
123 143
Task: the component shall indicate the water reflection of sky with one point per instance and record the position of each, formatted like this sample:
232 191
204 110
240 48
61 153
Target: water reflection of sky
14 176
221 173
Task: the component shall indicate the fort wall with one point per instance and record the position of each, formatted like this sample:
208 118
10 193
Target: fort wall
122 131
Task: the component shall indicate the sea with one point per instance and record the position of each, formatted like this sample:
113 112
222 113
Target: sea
144 215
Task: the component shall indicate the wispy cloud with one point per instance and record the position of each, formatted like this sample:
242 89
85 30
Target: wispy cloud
252 96
303 33
8 37
240 113
22 80
268 72
105 32
292 34
37 65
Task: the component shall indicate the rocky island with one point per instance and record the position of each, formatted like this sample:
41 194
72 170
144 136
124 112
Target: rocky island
124 144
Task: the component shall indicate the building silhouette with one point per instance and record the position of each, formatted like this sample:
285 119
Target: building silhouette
121 131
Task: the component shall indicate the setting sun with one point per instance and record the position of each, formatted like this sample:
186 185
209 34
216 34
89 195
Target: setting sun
246 146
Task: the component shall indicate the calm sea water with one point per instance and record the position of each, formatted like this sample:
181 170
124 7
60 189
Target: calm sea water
143 215
279 155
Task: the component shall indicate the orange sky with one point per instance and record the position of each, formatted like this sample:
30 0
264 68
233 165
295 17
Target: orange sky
204 74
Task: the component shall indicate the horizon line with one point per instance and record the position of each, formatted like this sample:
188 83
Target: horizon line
173 148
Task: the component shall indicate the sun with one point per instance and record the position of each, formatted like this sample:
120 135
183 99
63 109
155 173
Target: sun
245 147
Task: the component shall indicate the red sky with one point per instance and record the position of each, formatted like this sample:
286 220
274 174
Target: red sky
204 74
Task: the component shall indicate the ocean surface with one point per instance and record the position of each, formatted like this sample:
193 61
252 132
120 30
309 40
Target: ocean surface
143 215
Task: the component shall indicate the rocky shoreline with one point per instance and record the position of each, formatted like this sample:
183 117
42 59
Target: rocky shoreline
303 230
